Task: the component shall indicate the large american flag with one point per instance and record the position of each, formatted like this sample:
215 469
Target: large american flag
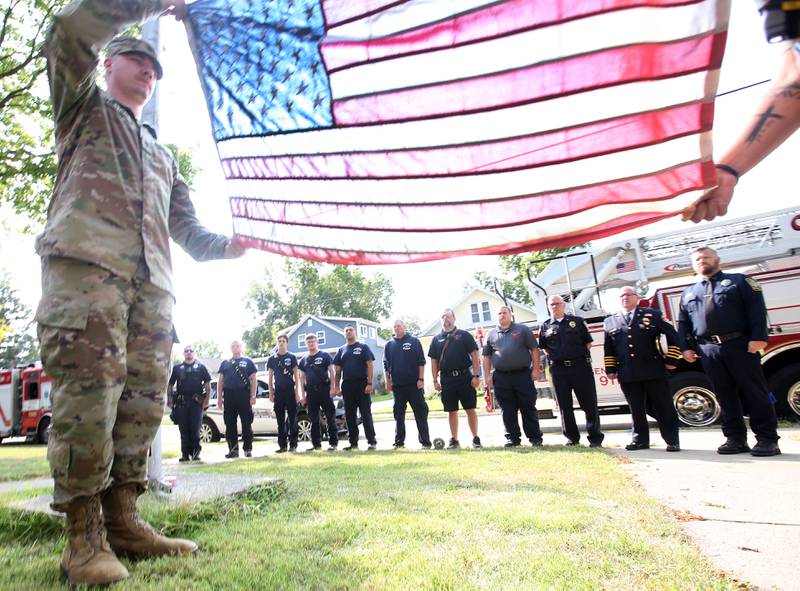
385 131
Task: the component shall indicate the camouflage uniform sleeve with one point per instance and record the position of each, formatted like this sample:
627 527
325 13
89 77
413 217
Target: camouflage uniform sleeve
186 230
73 43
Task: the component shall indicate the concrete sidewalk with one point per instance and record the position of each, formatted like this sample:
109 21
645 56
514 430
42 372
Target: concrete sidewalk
741 511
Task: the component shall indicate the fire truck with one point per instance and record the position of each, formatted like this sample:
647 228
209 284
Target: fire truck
25 404
766 246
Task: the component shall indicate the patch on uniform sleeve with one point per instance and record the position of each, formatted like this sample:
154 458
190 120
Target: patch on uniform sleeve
754 285
572 324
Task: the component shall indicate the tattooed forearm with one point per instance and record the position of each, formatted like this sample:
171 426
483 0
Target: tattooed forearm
763 119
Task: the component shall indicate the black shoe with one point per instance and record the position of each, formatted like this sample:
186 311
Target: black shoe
476 442
332 447
637 446
281 450
763 450
571 443
196 456
596 444
673 447
454 444
351 447
400 445
293 449
512 444
232 454
731 446
537 443
184 459
372 446
426 445
248 453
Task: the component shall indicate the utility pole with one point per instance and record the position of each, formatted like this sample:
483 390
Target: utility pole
151 34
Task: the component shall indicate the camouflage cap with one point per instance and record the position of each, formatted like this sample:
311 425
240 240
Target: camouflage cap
120 45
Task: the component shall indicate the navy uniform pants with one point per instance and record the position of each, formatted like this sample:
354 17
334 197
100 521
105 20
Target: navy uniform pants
189 415
740 386
655 394
578 378
285 407
357 401
516 393
409 394
319 397
237 406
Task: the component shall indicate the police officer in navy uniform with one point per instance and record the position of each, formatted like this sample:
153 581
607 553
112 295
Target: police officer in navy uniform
567 342
724 316
354 366
404 365
284 381
513 351
236 395
454 360
316 376
191 395
633 356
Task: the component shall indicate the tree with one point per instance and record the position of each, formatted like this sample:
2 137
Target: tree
317 289
17 344
207 348
27 152
513 282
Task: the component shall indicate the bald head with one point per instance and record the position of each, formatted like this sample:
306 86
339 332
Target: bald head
628 298
399 329
556 305
236 349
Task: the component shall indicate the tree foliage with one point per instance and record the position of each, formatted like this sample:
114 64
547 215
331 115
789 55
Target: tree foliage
17 344
412 322
27 152
207 348
317 289
513 281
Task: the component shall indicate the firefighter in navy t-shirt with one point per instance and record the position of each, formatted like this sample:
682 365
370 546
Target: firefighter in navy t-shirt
454 360
354 365
236 396
283 378
316 375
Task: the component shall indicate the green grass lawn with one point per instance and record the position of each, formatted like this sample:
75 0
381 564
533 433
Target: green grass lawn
472 519
20 461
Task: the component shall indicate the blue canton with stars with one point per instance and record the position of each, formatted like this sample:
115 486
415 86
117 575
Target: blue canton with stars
260 65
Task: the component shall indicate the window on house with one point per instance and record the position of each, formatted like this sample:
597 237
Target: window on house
310 322
476 317
372 332
301 341
321 337
487 314
362 330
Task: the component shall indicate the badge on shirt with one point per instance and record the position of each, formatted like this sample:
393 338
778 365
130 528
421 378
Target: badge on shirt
755 286
572 324
725 282
646 321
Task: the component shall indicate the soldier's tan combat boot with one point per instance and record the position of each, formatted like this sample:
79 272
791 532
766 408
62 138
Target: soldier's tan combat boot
87 557
129 534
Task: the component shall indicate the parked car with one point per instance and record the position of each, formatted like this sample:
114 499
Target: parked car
264 420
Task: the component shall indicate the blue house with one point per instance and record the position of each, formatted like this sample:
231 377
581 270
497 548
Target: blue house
330 335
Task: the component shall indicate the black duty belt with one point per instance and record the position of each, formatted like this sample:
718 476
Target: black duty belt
570 362
456 372
718 339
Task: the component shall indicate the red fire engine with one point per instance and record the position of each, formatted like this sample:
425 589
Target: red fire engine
765 246
25 404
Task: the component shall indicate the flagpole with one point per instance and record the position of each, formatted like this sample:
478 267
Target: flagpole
151 34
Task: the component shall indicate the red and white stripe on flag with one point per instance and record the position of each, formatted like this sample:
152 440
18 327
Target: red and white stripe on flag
485 127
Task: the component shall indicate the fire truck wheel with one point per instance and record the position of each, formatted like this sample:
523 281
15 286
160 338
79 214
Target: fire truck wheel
43 432
785 385
694 399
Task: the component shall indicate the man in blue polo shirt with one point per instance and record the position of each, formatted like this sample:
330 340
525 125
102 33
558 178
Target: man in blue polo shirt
236 396
283 378
404 362
353 364
316 375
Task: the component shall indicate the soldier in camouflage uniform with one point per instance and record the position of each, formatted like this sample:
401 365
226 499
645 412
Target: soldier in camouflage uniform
105 318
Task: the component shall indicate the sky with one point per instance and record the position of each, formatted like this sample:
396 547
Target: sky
210 295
